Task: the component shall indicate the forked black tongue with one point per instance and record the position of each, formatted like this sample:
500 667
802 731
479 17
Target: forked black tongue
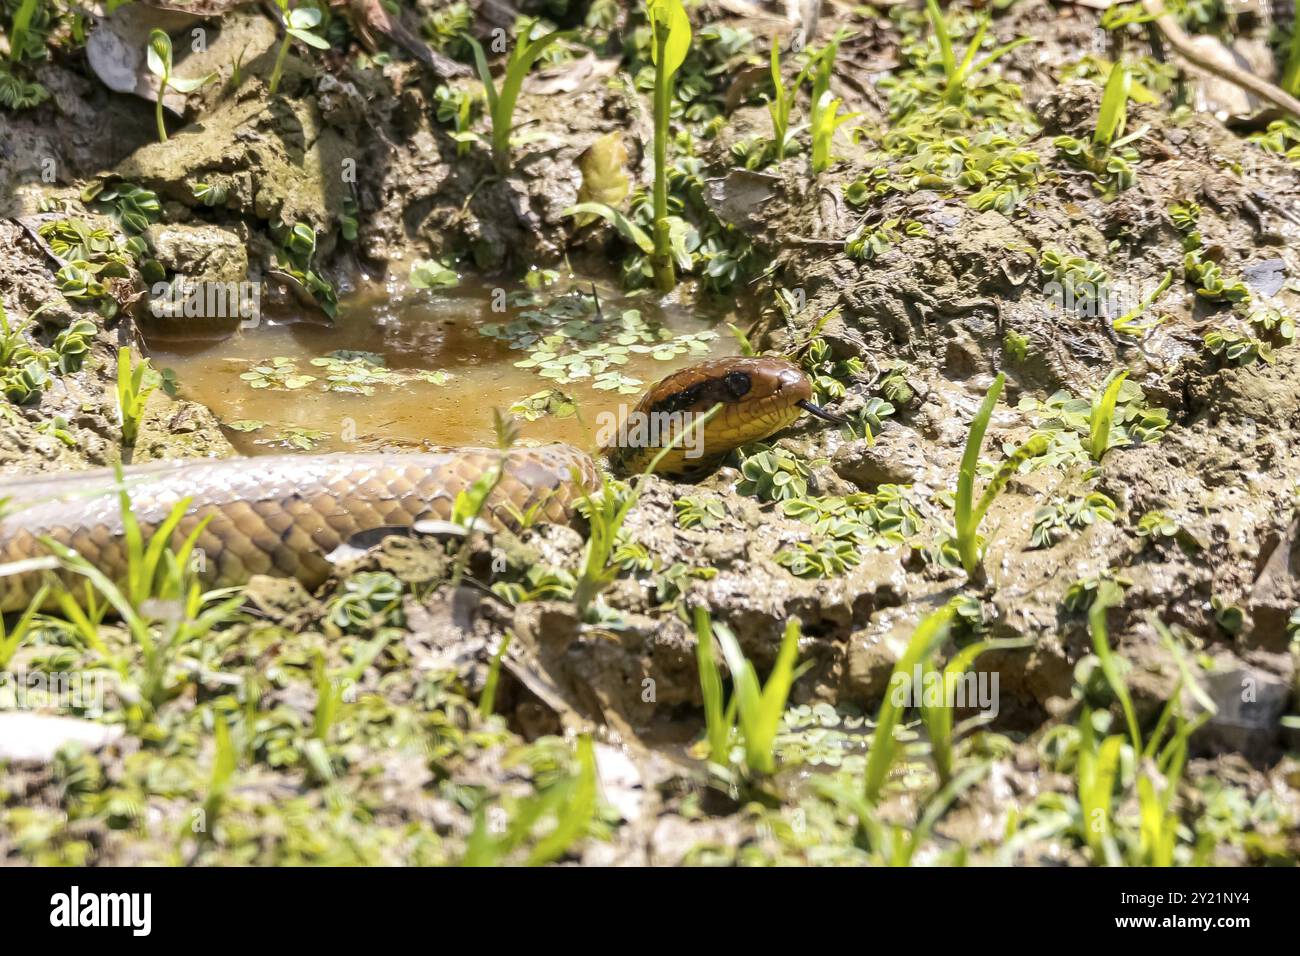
821 413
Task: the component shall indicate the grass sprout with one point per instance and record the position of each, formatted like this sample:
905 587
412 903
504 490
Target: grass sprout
135 383
925 640
968 514
757 706
1103 416
501 101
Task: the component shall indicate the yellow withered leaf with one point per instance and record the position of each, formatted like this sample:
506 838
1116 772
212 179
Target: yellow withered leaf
604 179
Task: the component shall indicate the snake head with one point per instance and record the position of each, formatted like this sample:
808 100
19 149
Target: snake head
755 397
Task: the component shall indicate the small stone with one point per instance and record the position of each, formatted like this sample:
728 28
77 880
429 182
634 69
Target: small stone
1250 704
1265 278
38 737
892 460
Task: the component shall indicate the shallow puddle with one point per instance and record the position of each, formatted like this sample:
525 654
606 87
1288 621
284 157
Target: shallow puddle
413 368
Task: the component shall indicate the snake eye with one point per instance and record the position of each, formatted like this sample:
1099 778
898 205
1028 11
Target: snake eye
737 384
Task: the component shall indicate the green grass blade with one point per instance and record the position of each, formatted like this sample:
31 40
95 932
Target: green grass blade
945 40
1108 595
967 524
1114 106
928 635
1103 417
487 702
576 815
11 641
717 726
775 694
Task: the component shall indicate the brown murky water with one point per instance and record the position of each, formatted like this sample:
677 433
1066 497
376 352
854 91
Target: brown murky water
415 333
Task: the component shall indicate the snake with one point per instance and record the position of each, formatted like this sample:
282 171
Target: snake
285 515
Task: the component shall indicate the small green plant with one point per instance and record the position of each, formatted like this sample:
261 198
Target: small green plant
694 511
925 640
468 506
72 344
11 640
569 804
25 43
1052 522
779 106
1108 155
1238 347
298 248
758 707
967 515
1128 324
671 30
958 75
487 702
299 24
369 600
1207 276
1291 71
824 117
938 718
527 50
21 36
159 59
1103 416
1079 284
135 383
156 575
605 514
718 719
773 474
225 762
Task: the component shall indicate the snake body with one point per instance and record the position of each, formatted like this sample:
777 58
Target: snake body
284 515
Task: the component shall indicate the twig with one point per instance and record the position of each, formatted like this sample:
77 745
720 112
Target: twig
1238 77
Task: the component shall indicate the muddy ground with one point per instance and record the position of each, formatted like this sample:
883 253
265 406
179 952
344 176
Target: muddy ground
1200 533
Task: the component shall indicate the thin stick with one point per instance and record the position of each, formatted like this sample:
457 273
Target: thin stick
1238 77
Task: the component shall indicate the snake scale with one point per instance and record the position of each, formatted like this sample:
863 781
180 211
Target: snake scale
284 515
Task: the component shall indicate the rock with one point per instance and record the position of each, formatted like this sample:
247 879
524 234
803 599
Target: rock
38 737
1265 278
1250 704
893 459
203 253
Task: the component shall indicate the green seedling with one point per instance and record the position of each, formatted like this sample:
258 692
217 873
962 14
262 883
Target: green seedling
487 702
134 386
225 762
571 802
968 514
938 720
299 24
1109 156
1103 416
958 75
779 106
158 56
10 641
501 103
1127 324
671 30
758 707
469 504
157 575
718 719
20 29
925 640
824 118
